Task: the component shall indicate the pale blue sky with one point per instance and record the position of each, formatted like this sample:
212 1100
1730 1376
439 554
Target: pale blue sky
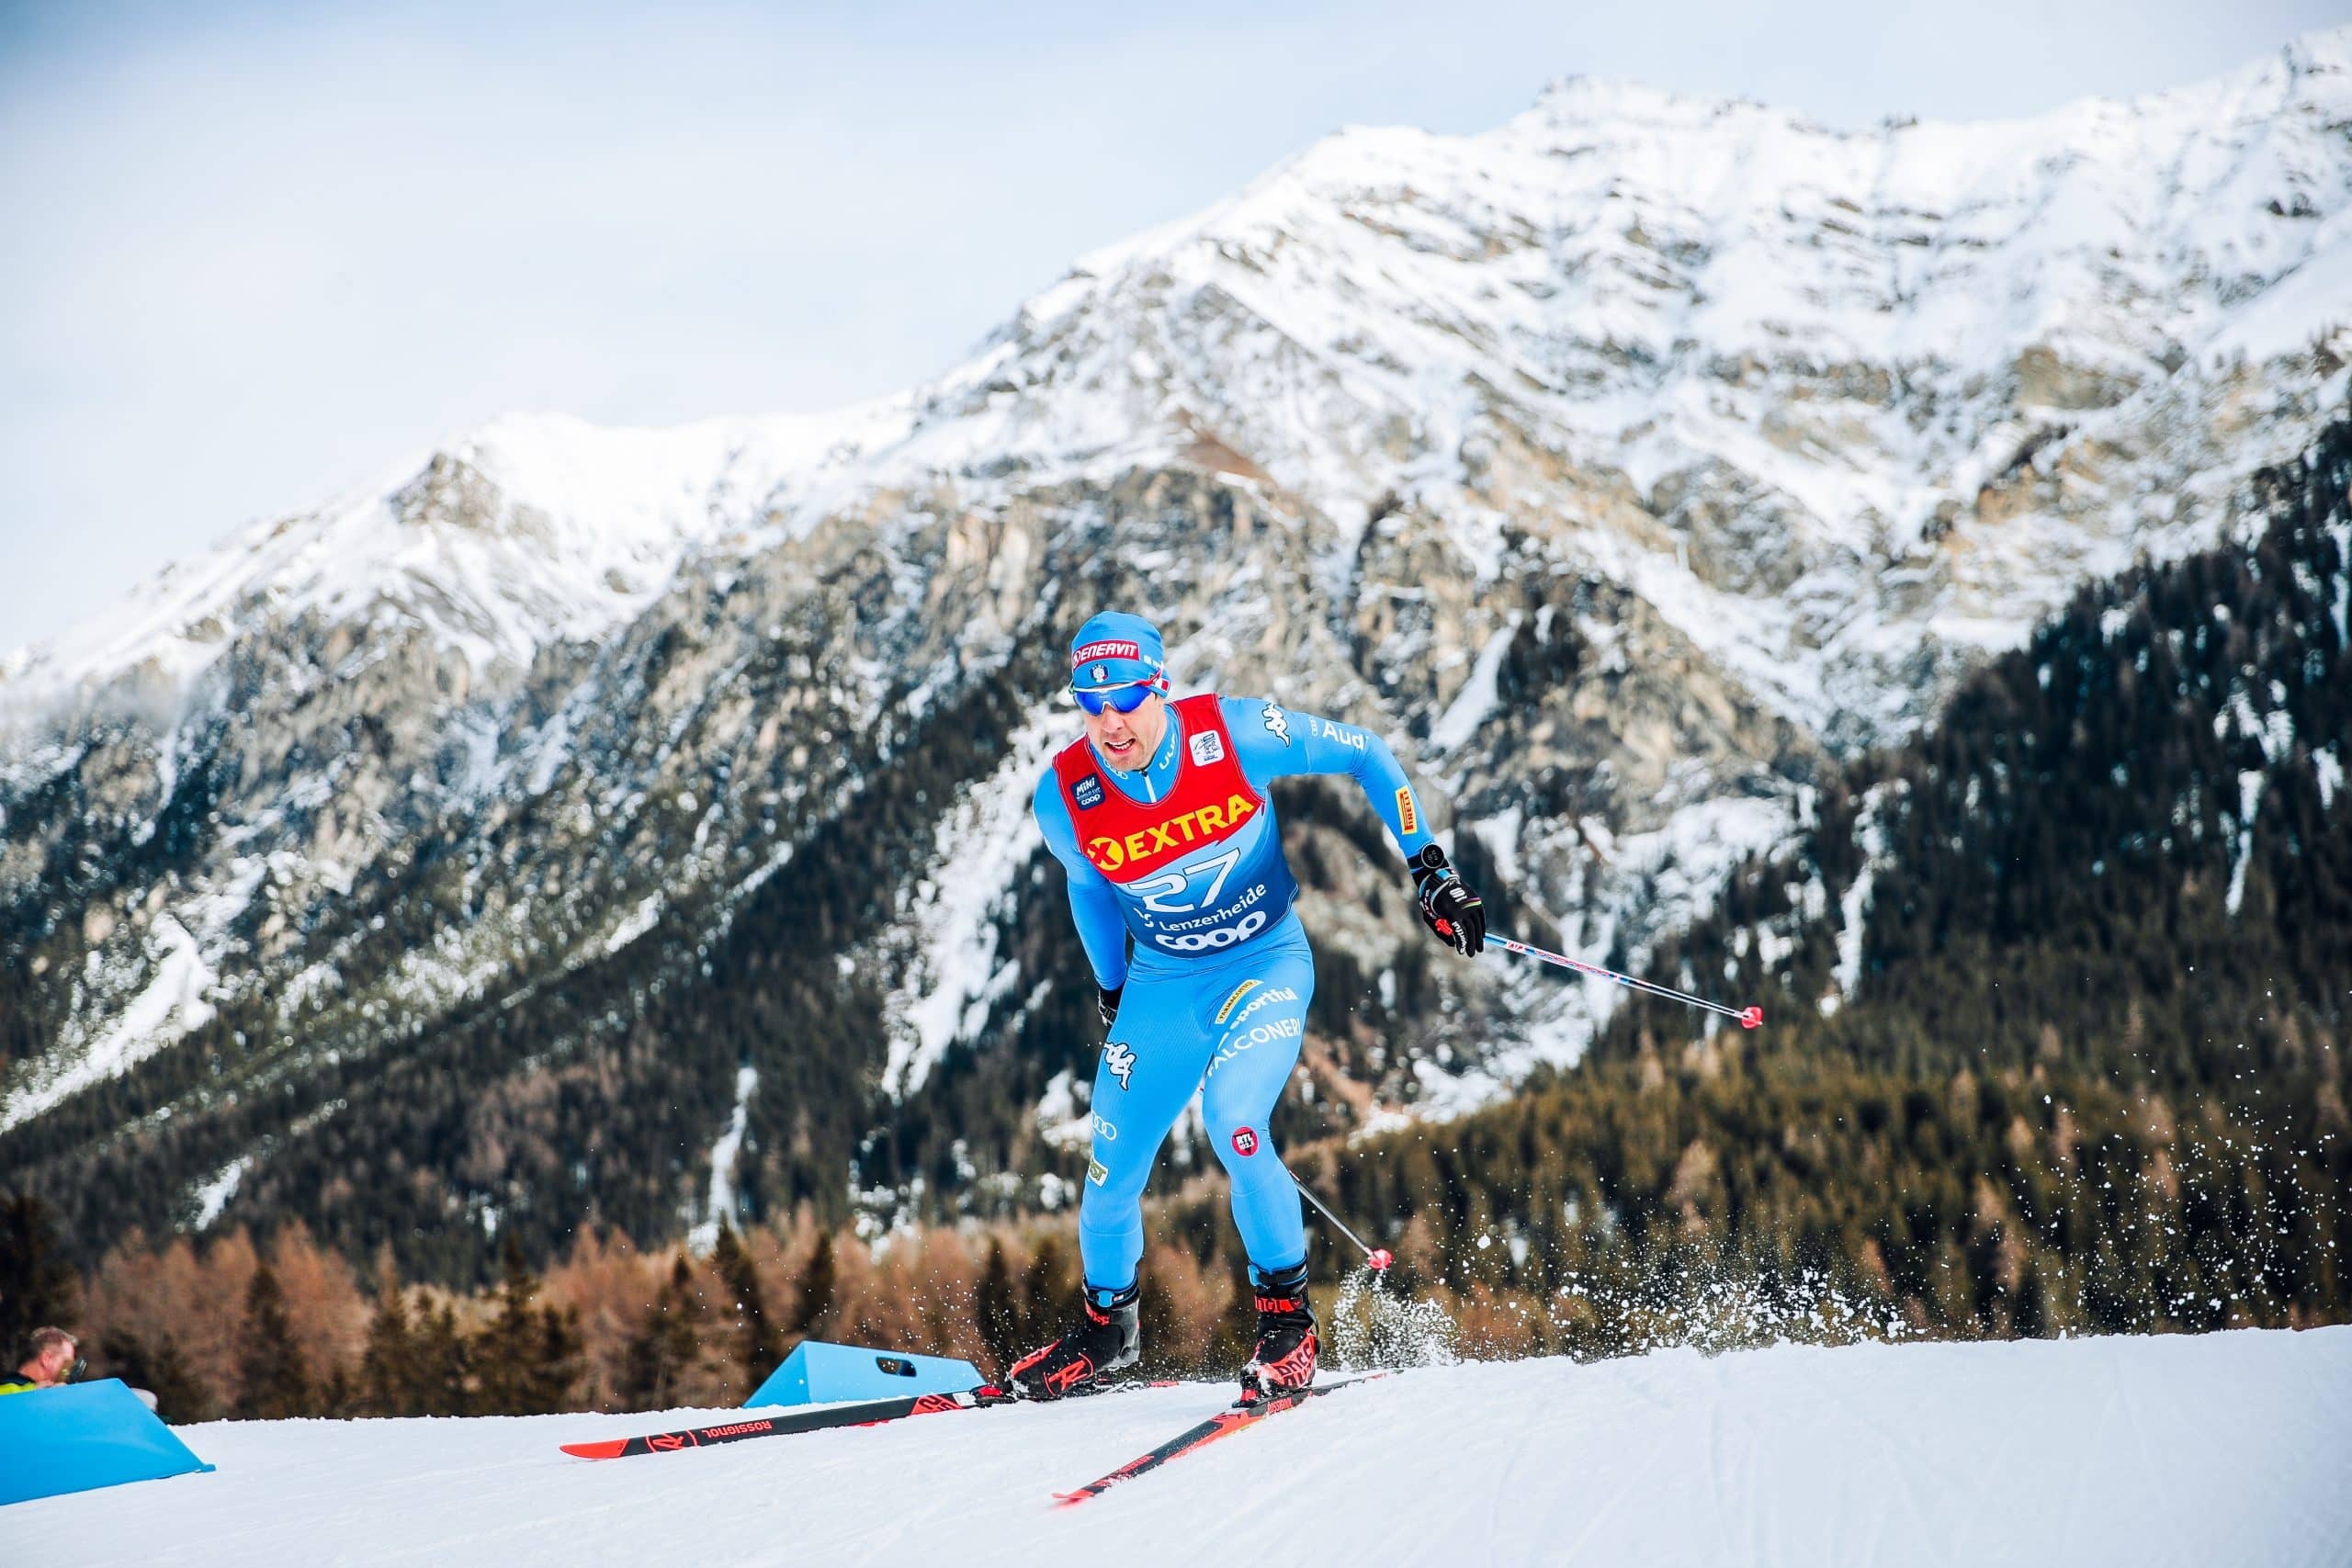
252 253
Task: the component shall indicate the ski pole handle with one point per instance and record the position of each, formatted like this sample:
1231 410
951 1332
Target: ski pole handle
1747 1017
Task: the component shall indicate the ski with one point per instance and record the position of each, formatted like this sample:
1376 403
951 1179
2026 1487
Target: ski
871 1413
1224 1424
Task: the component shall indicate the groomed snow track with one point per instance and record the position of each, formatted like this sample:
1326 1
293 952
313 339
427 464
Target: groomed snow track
2222 1449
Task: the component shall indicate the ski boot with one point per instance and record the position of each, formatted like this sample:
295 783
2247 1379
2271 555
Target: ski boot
1107 1339
1285 1360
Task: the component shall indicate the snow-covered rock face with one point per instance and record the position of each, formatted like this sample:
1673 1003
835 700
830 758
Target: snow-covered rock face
1624 462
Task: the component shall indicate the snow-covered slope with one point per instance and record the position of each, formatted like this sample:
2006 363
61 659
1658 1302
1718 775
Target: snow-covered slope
1627 462
2227 1448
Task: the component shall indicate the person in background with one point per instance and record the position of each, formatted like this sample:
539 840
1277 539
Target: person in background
55 1360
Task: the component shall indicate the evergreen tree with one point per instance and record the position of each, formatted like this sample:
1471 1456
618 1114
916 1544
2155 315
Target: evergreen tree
998 1311
391 1381
667 1346
527 1358
443 1368
37 1285
816 1291
761 1348
272 1381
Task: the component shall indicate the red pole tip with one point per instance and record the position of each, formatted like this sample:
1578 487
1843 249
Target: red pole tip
1379 1258
1752 1018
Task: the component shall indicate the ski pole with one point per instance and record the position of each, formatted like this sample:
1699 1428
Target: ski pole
1379 1258
1747 1017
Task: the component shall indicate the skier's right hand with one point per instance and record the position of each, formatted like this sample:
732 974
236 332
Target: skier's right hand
1107 1004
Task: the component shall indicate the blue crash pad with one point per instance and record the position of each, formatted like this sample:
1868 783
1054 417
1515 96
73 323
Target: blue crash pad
83 1436
818 1374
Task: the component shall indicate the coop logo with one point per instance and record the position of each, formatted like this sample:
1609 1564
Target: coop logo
1094 651
1119 1062
1088 792
1278 723
1245 1142
1152 844
1208 746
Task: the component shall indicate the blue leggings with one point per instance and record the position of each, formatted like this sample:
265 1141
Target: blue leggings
1229 1026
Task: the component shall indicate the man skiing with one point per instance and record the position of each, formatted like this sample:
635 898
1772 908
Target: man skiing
1162 818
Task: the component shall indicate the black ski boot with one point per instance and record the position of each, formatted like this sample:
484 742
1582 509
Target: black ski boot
1284 1358
1106 1339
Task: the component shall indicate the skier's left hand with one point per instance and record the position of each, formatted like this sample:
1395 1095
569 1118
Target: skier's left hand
1448 907
1106 1002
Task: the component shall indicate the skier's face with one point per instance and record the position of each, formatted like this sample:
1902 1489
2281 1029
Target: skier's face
1127 740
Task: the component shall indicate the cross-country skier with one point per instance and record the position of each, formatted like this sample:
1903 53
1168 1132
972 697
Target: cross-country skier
1162 818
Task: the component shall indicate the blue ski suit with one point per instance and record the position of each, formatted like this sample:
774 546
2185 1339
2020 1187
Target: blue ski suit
1182 859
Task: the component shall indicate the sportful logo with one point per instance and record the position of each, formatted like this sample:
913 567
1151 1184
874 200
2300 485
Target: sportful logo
1119 1062
1162 839
1279 994
1278 722
1094 651
1208 746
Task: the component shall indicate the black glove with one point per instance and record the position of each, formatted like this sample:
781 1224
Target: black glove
1448 907
1107 1004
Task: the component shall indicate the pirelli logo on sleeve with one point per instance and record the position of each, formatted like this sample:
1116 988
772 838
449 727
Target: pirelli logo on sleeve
1405 814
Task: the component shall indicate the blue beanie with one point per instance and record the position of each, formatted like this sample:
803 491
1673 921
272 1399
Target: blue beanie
1116 649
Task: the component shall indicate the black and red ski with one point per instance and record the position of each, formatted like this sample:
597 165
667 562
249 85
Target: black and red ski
1224 1424
871 1413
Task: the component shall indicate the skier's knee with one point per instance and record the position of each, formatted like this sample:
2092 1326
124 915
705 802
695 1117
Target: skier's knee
1246 1151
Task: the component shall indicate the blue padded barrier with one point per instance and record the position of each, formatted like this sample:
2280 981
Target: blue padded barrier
818 1374
83 1436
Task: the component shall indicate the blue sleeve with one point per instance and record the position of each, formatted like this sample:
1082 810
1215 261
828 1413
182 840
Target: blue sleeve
1093 908
1276 743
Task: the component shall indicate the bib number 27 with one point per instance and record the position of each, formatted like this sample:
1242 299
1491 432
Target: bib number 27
1159 894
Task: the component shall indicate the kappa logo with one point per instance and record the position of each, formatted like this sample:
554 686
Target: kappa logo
1119 1062
1245 1142
1208 746
1088 793
1279 723
1170 837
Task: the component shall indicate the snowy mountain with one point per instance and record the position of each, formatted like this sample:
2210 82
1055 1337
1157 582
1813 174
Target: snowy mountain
2205 1449
1628 462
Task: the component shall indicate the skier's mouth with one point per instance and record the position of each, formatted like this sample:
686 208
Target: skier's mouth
1119 748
